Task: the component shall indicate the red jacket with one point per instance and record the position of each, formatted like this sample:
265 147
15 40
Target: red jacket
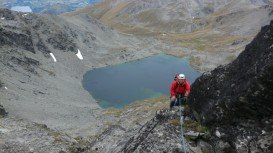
179 89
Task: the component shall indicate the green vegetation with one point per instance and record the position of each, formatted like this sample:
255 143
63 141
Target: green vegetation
174 122
190 125
197 44
231 57
57 137
197 116
147 105
196 20
114 111
203 40
195 126
149 16
85 144
195 61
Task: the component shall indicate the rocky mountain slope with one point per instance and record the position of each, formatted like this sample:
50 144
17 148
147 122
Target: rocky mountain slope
216 30
35 87
236 99
182 16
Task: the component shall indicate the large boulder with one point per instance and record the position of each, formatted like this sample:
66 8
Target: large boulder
236 100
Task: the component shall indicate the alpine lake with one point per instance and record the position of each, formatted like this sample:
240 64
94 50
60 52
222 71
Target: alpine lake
119 85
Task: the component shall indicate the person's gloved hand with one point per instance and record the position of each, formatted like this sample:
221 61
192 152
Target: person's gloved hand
185 99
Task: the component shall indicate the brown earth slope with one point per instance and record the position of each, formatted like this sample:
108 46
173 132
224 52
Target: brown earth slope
217 30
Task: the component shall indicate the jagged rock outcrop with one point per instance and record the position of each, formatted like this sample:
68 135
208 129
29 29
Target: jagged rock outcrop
236 100
162 134
157 135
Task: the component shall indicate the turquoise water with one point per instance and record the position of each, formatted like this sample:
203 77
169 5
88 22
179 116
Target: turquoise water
119 85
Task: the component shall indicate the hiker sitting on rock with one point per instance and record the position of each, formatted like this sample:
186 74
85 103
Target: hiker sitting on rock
180 87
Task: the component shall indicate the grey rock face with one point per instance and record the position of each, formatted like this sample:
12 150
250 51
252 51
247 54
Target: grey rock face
43 91
162 134
47 92
157 135
237 99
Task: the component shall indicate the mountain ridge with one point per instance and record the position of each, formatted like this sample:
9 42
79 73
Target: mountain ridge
215 32
32 78
34 88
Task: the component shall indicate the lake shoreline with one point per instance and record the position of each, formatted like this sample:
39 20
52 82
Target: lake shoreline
136 79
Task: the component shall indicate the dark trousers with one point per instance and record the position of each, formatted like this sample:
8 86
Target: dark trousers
178 101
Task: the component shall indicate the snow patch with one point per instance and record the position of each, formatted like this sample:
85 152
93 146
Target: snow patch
24 15
2 18
6 88
51 54
218 134
79 55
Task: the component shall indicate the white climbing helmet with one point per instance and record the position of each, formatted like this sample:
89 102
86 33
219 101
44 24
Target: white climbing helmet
181 76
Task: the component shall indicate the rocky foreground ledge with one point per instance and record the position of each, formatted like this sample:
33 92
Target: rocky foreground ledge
162 134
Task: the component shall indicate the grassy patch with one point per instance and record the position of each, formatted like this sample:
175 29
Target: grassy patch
42 126
195 61
196 20
208 42
82 142
112 13
174 122
152 103
149 16
231 58
190 125
206 39
114 111
195 126
147 105
57 137
133 29
197 44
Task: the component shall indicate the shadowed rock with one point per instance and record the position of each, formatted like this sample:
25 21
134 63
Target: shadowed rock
2 111
237 99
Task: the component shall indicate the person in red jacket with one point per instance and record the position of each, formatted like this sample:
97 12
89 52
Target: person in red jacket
179 87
